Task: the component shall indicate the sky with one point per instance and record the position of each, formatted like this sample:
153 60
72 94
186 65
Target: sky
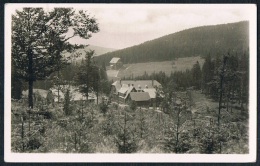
126 25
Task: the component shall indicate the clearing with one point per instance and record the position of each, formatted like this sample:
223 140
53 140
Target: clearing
138 69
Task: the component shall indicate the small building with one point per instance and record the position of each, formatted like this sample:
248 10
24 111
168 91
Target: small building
116 63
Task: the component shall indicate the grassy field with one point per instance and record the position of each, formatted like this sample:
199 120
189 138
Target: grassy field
138 69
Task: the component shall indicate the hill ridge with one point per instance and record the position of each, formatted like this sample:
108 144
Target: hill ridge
196 41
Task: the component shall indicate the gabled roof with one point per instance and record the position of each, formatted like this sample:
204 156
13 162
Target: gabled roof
123 90
152 92
140 96
114 60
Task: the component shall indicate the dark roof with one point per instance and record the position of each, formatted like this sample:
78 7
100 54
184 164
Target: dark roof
140 96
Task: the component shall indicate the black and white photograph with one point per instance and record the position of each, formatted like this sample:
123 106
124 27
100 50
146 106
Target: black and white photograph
130 83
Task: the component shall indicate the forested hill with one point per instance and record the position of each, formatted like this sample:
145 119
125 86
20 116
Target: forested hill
213 40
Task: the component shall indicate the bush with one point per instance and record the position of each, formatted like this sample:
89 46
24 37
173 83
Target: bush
125 139
103 107
208 142
115 106
125 143
108 125
34 143
133 105
66 106
170 141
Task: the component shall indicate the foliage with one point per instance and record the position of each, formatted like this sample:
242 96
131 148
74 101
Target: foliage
90 77
67 105
125 139
144 131
103 107
133 105
170 144
196 75
109 124
39 37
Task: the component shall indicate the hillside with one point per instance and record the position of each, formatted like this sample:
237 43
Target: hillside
98 51
199 41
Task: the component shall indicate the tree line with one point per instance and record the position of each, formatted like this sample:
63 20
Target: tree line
208 77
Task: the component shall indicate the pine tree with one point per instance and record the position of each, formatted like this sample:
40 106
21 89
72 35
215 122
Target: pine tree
196 75
67 107
85 75
38 39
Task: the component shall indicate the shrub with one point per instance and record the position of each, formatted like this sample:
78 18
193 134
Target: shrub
108 125
66 106
208 142
172 145
103 107
34 143
133 105
125 139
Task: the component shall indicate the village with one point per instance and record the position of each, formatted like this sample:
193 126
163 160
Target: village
123 92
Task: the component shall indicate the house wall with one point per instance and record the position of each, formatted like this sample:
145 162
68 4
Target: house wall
143 103
116 65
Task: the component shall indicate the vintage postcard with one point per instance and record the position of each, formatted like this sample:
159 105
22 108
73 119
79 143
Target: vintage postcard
130 83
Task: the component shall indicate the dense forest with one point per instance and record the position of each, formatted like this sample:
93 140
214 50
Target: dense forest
199 41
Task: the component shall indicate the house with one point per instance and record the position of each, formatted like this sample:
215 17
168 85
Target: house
116 63
124 92
122 89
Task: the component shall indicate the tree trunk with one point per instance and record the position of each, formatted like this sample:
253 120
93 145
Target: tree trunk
221 88
30 81
177 134
75 141
22 133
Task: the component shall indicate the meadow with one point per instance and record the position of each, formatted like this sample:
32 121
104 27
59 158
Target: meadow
138 69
